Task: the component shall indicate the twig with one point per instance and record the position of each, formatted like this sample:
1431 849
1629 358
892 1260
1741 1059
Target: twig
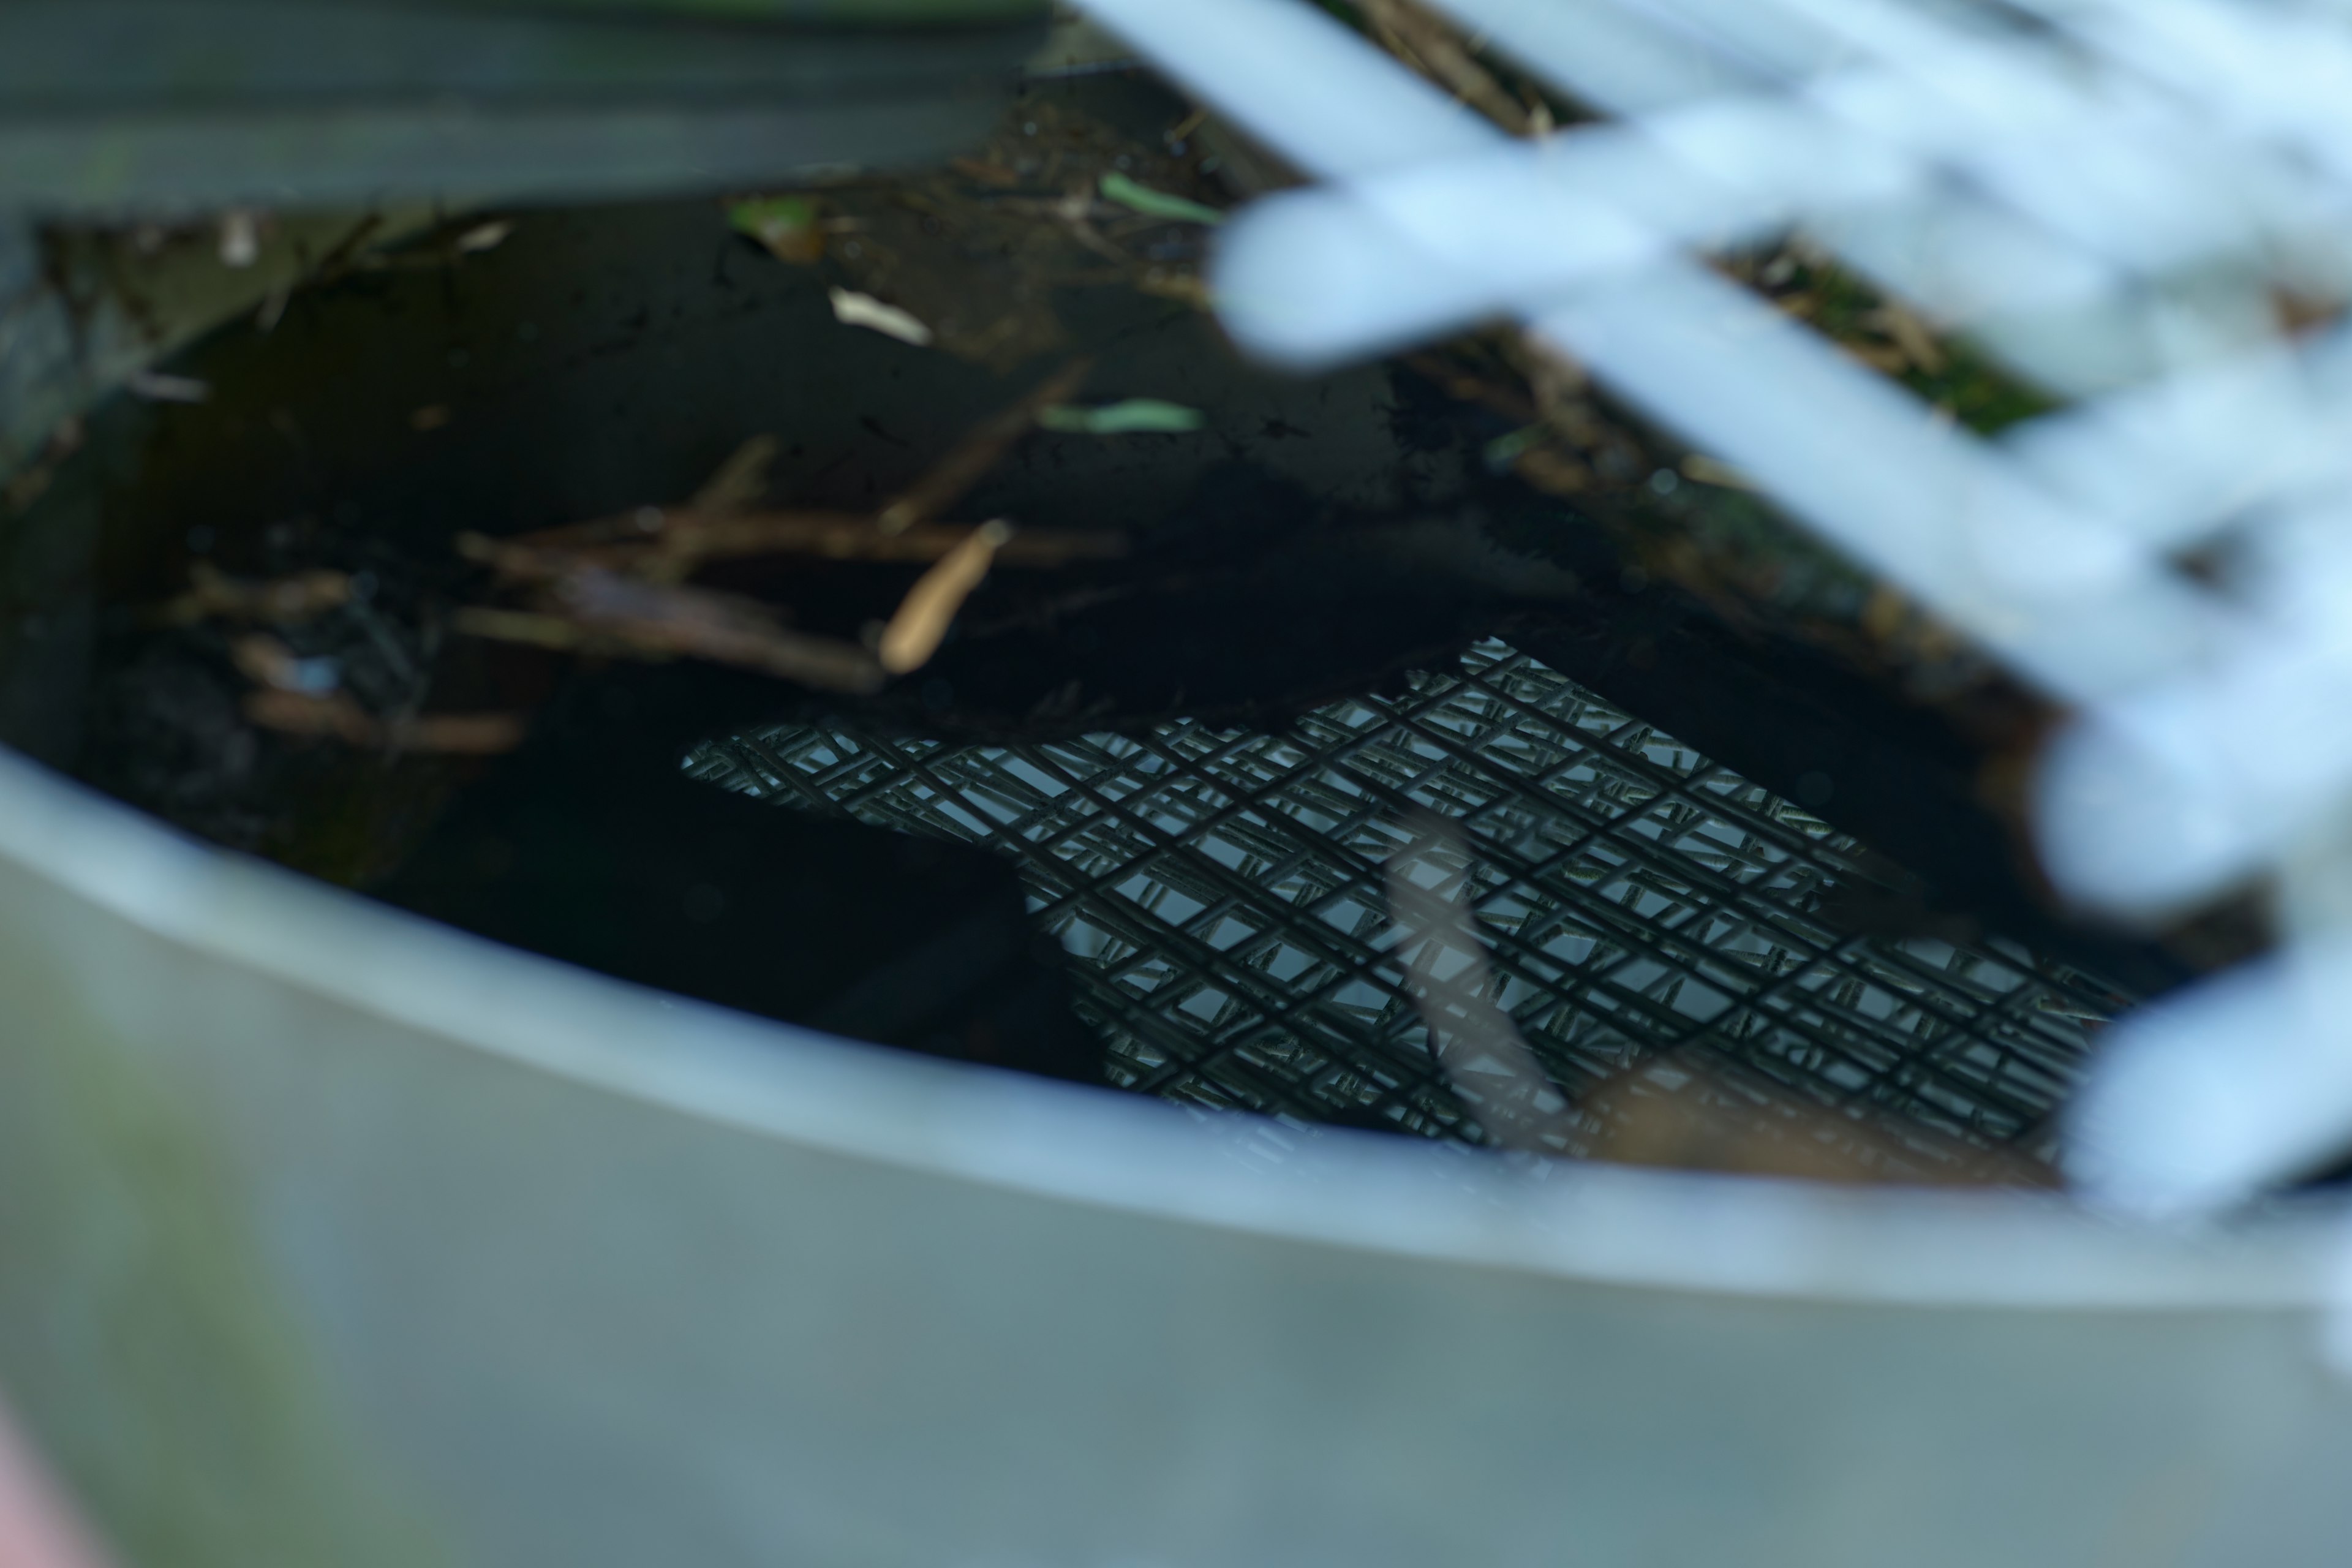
606 612
533 628
740 480
923 617
978 452
829 536
284 602
264 660
1424 41
336 717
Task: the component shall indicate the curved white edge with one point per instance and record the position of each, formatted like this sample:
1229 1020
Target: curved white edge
2205 1100
1434 1202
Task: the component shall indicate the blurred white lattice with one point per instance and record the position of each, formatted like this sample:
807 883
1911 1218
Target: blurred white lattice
2129 204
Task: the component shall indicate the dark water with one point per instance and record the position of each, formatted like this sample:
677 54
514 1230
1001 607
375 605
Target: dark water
1317 539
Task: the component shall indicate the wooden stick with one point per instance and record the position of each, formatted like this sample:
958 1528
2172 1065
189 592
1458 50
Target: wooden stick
736 536
922 623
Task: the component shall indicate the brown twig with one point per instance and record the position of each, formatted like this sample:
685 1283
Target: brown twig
978 452
1430 45
287 600
608 612
533 628
335 716
740 480
923 617
830 536
264 660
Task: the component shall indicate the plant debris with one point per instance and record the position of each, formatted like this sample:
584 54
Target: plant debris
1142 198
1135 415
402 607
337 716
212 593
976 252
787 225
852 309
618 587
157 387
978 452
922 622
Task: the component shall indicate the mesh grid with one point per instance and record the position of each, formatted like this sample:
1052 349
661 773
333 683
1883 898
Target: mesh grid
1221 895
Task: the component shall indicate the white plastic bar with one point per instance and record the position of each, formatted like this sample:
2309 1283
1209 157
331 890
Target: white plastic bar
2177 458
2045 304
2282 76
1308 280
2068 602
1629 59
2166 797
2171 795
1313 277
1865 463
2138 181
2116 207
2201 1103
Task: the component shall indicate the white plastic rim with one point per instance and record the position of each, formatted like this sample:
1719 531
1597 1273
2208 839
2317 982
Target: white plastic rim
1103 1150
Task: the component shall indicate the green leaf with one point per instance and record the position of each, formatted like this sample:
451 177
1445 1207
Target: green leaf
1126 193
764 214
786 225
1504 450
1136 415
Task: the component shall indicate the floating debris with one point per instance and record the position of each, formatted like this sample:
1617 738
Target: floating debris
240 239
157 387
922 623
485 236
336 717
1142 198
787 225
1136 415
1700 468
852 309
287 600
606 612
266 661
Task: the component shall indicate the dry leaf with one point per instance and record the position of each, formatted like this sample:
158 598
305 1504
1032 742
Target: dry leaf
852 309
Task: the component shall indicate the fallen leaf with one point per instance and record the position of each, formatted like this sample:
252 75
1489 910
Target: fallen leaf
852 309
485 236
157 387
1504 450
787 225
1136 415
240 239
1142 198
